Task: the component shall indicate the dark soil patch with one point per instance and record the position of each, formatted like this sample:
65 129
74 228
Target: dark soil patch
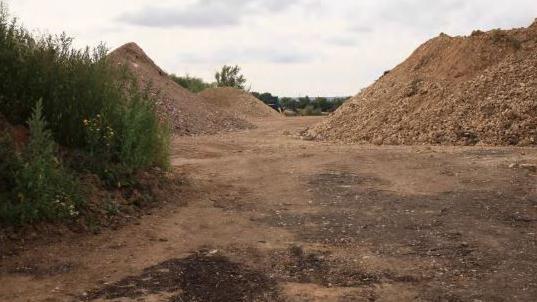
476 237
319 268
199 277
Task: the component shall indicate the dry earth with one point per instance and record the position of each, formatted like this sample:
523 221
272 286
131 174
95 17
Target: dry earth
271 217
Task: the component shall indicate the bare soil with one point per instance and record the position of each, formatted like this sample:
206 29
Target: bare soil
273 217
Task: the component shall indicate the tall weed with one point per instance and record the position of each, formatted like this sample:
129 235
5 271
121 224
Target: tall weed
79 88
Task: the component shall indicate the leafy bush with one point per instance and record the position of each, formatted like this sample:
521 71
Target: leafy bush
310 110
39 187
79 88
312 106
192 84
230 76
143 142
95 110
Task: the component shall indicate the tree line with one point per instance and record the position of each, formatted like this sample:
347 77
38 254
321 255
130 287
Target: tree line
231 76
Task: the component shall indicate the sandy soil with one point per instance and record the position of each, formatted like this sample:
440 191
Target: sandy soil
271 217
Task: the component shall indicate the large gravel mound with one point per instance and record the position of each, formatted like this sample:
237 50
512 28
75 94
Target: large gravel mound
480 89
188 113
239 103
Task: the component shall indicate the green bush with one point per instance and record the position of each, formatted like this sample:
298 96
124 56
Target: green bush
193 84
310 110
230 76
76 99
78 87
142 140
39 187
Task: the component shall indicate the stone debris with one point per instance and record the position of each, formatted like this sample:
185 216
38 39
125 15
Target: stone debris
239 103
476 90
187 113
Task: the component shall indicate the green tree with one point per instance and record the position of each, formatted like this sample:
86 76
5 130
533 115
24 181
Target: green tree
289 103
323 103
267 98
303 102
230 76
41 189
337 102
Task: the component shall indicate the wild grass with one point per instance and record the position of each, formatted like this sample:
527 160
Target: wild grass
104 123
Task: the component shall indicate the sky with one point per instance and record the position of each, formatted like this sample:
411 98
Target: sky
286 47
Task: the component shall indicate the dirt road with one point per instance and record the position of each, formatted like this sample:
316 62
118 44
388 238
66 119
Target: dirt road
270 217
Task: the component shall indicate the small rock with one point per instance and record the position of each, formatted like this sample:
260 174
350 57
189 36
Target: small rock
296 250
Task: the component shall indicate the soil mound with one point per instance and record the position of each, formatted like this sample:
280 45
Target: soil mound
187 113
480 89
239 103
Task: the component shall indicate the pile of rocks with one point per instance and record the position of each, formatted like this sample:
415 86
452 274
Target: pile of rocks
480 89
187 113
239 103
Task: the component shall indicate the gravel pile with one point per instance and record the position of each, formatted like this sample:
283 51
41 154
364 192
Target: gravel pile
239 103
187 113
475 90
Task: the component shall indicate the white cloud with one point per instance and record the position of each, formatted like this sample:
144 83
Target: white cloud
288 47
204 13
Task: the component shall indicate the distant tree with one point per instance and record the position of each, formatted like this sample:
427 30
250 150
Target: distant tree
310 110
230 76
303 102
193 84
289 104
267 98
337 102
323 104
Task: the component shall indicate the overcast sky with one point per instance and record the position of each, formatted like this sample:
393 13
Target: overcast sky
287 47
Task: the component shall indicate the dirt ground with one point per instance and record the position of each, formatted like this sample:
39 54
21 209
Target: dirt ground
271 217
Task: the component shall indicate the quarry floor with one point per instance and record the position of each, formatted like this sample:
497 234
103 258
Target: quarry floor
271 217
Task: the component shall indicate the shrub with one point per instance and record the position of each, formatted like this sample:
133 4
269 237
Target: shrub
190 83
310 110
230 76
143 141
78 100
39 187
89 104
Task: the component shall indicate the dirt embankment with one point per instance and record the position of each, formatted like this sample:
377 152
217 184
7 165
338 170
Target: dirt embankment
187 113
239 103
480 89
